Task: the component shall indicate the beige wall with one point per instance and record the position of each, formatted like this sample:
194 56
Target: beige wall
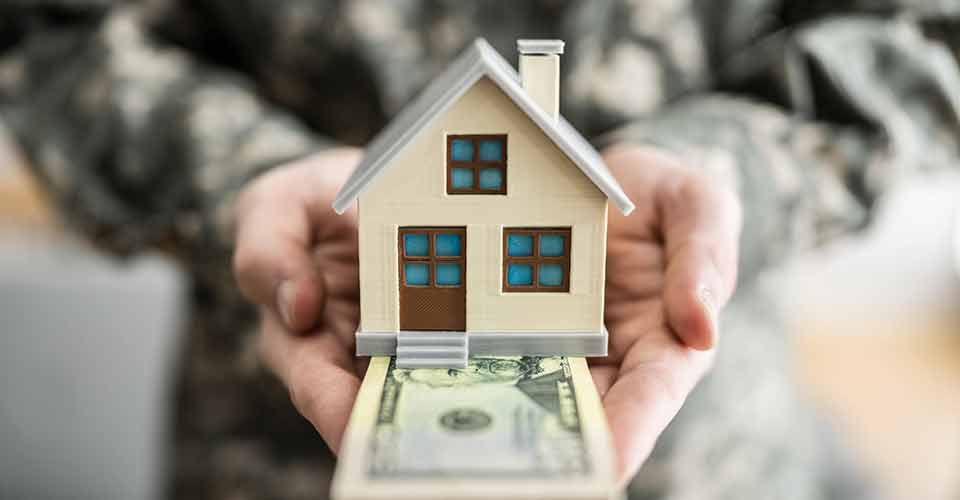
544 189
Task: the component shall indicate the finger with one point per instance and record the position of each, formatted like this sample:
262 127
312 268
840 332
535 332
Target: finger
701 230
318 371
272 263
647 395
279 220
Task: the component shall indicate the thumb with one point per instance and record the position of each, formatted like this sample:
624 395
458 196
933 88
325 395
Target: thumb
298 299
701 229
272 263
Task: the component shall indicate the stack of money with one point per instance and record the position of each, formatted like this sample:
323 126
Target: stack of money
504 427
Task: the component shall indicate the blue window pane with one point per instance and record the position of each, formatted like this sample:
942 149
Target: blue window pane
491 150
449 245
415 245
520 274
551 275
491 178
552 245
462 178
461 150
520 245
416 273
448 274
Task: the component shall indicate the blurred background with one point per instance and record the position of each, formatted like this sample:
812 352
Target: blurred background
86 356
875 321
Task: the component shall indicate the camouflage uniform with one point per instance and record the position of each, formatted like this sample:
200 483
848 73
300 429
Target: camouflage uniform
145 119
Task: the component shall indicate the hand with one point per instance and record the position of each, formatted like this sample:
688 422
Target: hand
671 267
297 260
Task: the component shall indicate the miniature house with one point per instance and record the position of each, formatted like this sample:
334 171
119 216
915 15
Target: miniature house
483 219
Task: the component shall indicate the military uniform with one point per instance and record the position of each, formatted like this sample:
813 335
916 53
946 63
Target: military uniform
145 119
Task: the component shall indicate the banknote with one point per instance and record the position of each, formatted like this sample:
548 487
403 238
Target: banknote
503 427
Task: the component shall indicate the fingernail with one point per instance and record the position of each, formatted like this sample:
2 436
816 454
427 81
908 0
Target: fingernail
285 293
709 302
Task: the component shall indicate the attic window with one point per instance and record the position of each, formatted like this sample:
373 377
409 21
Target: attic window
477 164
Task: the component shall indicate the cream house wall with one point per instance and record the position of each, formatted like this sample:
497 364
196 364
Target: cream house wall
543 189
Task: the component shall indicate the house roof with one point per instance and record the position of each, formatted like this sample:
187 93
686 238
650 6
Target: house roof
477 61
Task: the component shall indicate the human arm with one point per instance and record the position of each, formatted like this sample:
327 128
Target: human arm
803 172
140 144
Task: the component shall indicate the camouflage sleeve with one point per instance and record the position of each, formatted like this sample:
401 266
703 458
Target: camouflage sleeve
866 101
140 144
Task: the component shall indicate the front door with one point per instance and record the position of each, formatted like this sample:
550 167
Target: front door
433 284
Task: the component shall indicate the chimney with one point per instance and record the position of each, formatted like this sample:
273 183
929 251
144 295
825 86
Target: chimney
540 72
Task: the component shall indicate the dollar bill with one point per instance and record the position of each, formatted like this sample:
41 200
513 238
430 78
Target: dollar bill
504 427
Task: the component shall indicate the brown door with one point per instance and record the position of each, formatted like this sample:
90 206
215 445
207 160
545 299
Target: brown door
433 278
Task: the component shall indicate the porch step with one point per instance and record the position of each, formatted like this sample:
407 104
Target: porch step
432 350
432 363
458 339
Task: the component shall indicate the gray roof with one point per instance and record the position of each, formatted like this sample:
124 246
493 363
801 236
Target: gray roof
477 61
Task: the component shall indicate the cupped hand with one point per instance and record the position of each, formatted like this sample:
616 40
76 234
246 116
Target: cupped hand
671 267
296 259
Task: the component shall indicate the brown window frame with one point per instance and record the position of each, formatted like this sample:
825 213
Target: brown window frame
432 259
476 165
536 259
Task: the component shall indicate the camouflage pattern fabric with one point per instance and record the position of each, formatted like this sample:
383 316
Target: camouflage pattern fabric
145 118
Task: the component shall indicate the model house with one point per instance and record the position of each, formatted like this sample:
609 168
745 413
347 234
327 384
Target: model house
483 219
